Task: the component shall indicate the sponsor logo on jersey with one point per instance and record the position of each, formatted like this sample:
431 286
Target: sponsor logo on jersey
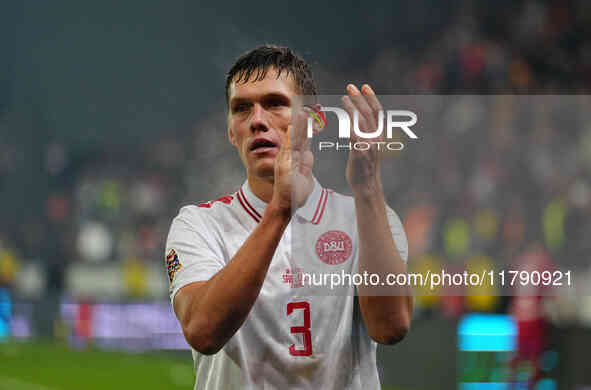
334 247
293 277
173 264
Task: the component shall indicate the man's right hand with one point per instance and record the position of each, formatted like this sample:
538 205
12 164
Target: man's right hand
293 166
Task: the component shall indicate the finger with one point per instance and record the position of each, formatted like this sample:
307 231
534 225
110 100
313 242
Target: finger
374 103
296 125
285 141
307 163
282 159
362 106
300 140
371 98
288 137
350 108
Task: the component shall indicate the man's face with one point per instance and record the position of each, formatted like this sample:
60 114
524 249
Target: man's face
259 114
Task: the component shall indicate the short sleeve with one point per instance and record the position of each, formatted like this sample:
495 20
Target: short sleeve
192 252
398 233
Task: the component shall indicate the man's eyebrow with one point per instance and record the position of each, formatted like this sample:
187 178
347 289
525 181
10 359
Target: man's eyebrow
270 95
238 100
274 95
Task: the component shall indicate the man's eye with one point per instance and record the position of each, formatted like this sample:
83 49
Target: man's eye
241 108
276 103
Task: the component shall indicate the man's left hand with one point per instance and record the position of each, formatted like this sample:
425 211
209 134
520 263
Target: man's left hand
363 166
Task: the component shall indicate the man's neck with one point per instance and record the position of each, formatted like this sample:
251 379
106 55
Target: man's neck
262 188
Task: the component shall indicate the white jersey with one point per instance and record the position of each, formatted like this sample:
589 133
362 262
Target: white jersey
294 337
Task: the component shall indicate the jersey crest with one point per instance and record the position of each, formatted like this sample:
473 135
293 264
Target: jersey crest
334 247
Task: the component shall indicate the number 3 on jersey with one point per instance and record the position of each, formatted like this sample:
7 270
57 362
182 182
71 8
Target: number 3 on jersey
304 330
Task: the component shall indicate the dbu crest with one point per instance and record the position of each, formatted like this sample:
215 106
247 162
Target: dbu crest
334 247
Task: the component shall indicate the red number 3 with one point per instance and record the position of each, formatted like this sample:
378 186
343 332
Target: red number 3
305 330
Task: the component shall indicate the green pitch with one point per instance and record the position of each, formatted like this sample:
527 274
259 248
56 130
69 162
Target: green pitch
38 366
57 367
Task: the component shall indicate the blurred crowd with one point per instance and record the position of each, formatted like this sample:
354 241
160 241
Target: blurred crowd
473 196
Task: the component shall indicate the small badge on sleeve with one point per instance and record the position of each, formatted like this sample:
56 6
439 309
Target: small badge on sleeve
172 264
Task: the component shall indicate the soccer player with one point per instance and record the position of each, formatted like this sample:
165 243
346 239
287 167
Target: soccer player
235 279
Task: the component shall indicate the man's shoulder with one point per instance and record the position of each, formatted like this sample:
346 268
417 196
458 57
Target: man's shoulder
339 198
345 204
220 204
207 211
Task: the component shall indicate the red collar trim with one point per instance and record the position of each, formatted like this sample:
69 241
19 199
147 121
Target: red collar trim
247 207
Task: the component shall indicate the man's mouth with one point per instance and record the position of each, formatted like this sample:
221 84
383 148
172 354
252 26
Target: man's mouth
262 145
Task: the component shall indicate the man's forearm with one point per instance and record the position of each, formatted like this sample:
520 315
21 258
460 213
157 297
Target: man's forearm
386 309
223 302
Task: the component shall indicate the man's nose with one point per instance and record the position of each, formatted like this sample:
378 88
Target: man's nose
259 119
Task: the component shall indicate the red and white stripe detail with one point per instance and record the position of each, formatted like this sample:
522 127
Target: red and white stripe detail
248 207
320 207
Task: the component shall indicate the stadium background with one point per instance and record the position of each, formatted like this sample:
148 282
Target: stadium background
112 117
